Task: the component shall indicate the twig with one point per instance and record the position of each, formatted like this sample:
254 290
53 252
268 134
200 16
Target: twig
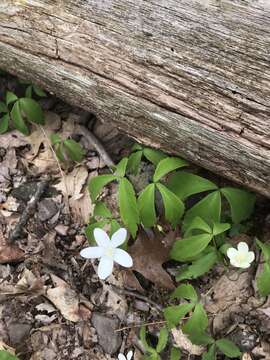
15 233
139 325
138 296
66 200
92 139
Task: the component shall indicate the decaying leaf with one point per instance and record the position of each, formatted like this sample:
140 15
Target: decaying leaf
13 139
184 343
149 252
9 253
66 300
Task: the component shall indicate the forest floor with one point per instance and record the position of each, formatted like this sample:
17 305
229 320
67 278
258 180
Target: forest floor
53 305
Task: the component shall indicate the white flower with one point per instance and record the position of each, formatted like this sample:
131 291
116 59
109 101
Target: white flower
241 258
107 251
128 357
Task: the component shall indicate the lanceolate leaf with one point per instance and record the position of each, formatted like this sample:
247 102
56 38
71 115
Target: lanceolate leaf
199 267
174 207
185 291
121 167
198 322
17 119
263 280
197 224
3 107
74 150
162 339
210 354
97 183
128 206
173 314
190 247
208 209
175 354
265 248
184 184
154 156
89 230
10 97
102 210
134 162
241 203
39 92
146 205
228 348
167 165
4 355
32 110
219 228
4 121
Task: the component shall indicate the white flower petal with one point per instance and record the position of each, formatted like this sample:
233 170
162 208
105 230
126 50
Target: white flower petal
92 252
231 253
250 256
105 267
234 262
101 237
122 258
119 237
121 357
242 247
129 355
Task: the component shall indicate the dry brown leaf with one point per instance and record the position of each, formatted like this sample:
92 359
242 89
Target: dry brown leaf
66 300
9 253
45 163
13 139
73 182
149 252
184 343
37 137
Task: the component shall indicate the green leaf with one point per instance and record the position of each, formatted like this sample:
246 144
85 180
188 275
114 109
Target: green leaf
4 121
208 209
263 280
74 150
89 230
197 224
28 91
17 119
185 291
199 267
128 206
102 210
3 107
173 314
167 165
5 355
154 156
136 147
224 248
219 228
146 206
265 248
97 183
32 110
121 168
198 322
10 97
175 354
114 227
162 339
59 152
228 348
39 92
174 207
241 203
148 348
201 338
184 184
55 139
190 247
134 161
210 354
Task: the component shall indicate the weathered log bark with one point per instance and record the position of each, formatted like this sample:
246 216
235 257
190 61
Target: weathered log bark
191 77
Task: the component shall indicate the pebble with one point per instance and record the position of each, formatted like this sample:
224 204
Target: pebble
61 229
47 208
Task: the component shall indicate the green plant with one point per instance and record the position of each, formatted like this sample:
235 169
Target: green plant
5 355
67 149
263 279
151 352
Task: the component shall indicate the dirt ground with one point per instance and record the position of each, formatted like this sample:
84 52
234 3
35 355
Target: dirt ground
52 304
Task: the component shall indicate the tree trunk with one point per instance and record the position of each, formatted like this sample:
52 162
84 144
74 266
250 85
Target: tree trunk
189 76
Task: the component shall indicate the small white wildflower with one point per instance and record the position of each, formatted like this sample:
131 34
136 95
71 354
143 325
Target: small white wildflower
128 357
107 251
242 257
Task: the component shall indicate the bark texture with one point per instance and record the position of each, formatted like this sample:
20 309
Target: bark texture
191 77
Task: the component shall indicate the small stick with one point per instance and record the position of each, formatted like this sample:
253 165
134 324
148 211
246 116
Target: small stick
16 232
139 325
138 296
92 139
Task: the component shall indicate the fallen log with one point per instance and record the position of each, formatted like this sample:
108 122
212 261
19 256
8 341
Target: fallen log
190 77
